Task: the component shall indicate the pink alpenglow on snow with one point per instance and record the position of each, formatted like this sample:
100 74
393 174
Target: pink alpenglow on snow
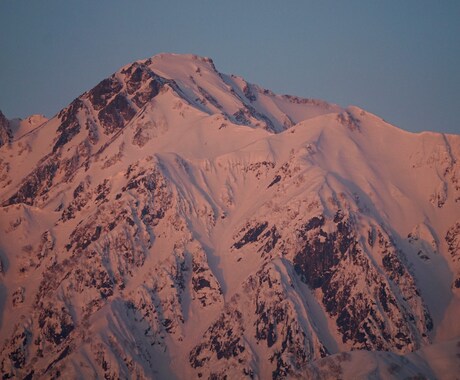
177 222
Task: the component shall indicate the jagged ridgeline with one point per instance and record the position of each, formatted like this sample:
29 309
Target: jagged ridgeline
177 222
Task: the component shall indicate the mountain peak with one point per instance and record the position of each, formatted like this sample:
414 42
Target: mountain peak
182 58
174 65
178 221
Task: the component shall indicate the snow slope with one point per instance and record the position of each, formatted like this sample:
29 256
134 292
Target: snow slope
176 222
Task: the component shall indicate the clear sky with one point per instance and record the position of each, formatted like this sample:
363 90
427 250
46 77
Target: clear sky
397 59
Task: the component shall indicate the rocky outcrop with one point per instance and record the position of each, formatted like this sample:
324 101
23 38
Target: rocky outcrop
5 131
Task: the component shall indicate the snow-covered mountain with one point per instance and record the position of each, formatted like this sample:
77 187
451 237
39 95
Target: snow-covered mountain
177 222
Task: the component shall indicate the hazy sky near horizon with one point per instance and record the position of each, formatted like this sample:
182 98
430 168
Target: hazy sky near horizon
397 59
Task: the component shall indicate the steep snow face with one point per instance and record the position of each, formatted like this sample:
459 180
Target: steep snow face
176 222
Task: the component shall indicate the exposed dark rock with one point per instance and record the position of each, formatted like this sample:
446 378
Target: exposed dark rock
94 277
102 191
116 114
142 179
205 286
209 97
35 184
249 93
65 352
251 235
428 321
83 235
315 261
93 132
313 223
141 136
393 265
69 166
260 168
371 237
270 237
200 283
453 241
143 84
81 197
275 181
358 318
456 283
277 321
282 370
150 91
264 119
70 125
137 75
18 296
18 348
55 324
339 216
348 120
242 117
5 132
223 339
104 91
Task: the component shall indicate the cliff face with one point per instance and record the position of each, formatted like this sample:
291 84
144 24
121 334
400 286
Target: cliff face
5 131
174 221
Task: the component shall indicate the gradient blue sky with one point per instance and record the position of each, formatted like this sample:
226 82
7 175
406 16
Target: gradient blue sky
397 59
